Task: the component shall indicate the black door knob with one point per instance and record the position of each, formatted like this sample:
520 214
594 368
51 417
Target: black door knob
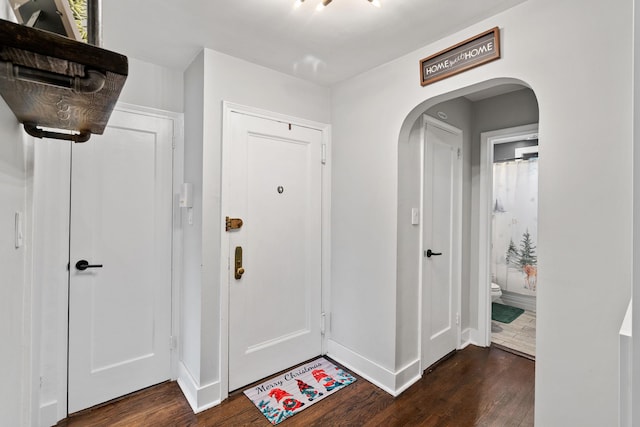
83 264
430 253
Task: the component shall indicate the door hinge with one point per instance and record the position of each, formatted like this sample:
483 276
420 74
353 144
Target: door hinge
173 342
459 153
323 323
323 158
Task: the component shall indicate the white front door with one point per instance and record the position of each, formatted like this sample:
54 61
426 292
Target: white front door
441 262
275 187
121 226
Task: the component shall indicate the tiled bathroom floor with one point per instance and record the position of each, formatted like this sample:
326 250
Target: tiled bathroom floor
519 335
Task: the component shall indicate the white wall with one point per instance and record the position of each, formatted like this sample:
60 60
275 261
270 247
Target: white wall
15 288
191 307
16 178
153 86
211 79
52 165
459 114
408 297
635 382
581 107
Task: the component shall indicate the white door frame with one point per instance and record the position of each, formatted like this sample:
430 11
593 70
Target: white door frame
457 255
50 412
227 109
487 141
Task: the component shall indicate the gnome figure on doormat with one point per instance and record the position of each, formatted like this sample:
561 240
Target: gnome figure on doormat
284 397
329 383
308 391
344 377
274 415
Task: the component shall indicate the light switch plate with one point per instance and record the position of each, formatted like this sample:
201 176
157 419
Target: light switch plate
415 216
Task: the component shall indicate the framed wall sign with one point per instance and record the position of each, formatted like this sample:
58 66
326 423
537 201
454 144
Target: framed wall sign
465 55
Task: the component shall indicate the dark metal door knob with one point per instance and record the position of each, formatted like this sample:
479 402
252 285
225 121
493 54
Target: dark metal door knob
83 264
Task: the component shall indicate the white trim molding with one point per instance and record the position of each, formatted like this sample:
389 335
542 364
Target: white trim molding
626 368
465 338
200 398
48 415
393 383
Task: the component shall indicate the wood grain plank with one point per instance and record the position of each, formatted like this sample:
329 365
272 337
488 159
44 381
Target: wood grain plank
51 106
475 387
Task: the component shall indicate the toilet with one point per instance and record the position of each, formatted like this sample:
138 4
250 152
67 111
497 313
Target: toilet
496 292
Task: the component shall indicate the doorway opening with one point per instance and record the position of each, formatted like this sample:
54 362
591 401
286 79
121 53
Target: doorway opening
510 180
476 110
487 106
504 113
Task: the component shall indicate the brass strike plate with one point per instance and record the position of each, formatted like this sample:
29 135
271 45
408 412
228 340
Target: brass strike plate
232 223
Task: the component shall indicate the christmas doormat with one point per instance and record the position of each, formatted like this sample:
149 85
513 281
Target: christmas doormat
504 313
286 395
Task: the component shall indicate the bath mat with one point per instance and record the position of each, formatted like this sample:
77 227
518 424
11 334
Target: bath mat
504 313
281 397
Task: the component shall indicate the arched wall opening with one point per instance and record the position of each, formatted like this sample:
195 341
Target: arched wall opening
494 104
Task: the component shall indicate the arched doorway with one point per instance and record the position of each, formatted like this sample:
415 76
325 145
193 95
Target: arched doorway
480 108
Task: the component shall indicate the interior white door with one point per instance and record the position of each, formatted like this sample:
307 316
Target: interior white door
275 187
441 240
121 225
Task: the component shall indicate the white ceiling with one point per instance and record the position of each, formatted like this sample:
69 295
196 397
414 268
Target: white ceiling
325 47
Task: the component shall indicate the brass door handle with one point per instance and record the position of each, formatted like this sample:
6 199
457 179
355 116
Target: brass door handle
239 270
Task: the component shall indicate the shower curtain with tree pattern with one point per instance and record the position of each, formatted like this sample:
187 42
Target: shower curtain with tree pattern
514 261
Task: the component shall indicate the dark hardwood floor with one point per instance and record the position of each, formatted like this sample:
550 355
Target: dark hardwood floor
474 387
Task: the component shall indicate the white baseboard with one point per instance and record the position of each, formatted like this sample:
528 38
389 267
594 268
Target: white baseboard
393 383
626 367
476 339
407 376
200 398
465 339
48 414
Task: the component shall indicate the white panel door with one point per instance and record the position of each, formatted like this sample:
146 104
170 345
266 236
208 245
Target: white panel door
275 188
121 211
441 240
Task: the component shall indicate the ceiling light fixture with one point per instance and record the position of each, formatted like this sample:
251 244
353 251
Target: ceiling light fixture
326 3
